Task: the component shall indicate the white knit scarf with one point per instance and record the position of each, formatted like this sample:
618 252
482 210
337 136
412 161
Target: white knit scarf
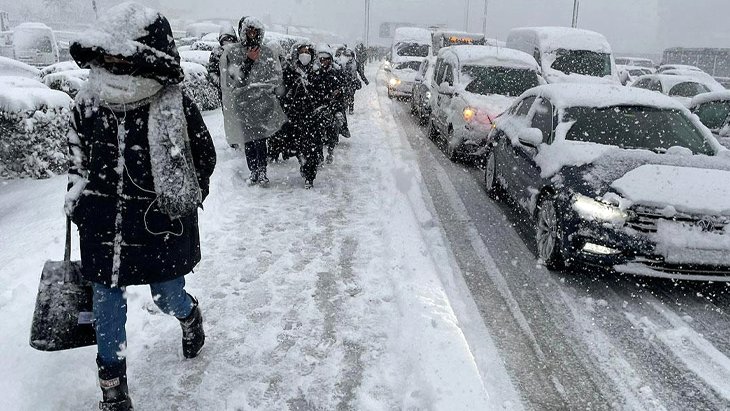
173 170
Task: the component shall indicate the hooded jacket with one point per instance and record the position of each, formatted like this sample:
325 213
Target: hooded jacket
126 239
251 108
214 63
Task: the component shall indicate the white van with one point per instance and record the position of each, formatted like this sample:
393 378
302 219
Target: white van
411 45
567 55
35 44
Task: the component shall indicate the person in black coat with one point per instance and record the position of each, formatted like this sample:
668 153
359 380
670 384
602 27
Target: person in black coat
333 76
141 161
307 104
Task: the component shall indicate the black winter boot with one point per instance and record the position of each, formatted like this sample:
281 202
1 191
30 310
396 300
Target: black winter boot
193 337
114 390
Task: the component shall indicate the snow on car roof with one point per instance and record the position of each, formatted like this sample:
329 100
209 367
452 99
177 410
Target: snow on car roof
414 34
554 38
679 66
713 96
670 80
490 56
566 95
20 82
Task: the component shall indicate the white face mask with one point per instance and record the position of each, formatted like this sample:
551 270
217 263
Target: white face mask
121 89
305 59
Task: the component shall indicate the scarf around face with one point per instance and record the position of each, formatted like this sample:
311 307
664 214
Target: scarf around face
173 170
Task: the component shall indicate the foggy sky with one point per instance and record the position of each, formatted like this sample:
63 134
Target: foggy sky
630 25
646 26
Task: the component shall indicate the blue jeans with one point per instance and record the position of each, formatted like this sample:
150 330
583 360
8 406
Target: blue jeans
110 314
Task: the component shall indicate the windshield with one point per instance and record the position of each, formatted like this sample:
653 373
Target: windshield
32 40
412 50
635 127
714 114
499 80
409 65
588 63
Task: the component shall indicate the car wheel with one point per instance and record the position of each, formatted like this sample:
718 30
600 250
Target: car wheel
433 132
390 94
451 152
548 234
490 174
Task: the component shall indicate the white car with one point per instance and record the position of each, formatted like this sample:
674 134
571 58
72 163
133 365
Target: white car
681 88
713 109
402 77
665 67
700 76
636 62
475 85
629 74
424 88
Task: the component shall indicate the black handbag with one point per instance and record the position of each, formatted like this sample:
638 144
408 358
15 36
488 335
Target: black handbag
63 317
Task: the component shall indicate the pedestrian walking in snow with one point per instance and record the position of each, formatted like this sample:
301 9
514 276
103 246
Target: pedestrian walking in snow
331 74
227 36
141 159
251 80
354 73
308 106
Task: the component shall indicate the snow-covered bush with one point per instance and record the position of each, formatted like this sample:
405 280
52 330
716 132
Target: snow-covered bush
196 56
34 124
198 86
59 68
70 82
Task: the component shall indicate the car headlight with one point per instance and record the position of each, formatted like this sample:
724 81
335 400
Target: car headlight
428 95
394 82
591 209
469 114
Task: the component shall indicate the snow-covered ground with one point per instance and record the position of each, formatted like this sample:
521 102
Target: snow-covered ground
342 297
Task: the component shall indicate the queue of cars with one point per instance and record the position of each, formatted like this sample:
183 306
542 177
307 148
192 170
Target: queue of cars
633 179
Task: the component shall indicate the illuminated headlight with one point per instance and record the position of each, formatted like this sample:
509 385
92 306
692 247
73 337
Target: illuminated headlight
394 82
428 95
591 209
599 249
469 114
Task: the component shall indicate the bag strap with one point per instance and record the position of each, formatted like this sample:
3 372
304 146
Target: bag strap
67 255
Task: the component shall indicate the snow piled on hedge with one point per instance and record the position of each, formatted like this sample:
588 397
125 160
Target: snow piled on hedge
33 126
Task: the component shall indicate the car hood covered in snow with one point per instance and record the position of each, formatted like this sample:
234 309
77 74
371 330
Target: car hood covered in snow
493 105
690 184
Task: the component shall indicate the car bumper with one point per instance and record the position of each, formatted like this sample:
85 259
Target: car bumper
404 89
634 254
471 138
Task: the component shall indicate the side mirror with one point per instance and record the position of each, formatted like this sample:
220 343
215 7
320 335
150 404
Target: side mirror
530 137
446 89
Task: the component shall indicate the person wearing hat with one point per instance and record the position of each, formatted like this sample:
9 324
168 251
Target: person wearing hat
227 36
141 159
252 82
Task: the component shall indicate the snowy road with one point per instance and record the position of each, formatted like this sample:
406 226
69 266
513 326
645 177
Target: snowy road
344 297
576 340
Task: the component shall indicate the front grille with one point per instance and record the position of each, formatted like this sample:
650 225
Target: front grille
647 221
